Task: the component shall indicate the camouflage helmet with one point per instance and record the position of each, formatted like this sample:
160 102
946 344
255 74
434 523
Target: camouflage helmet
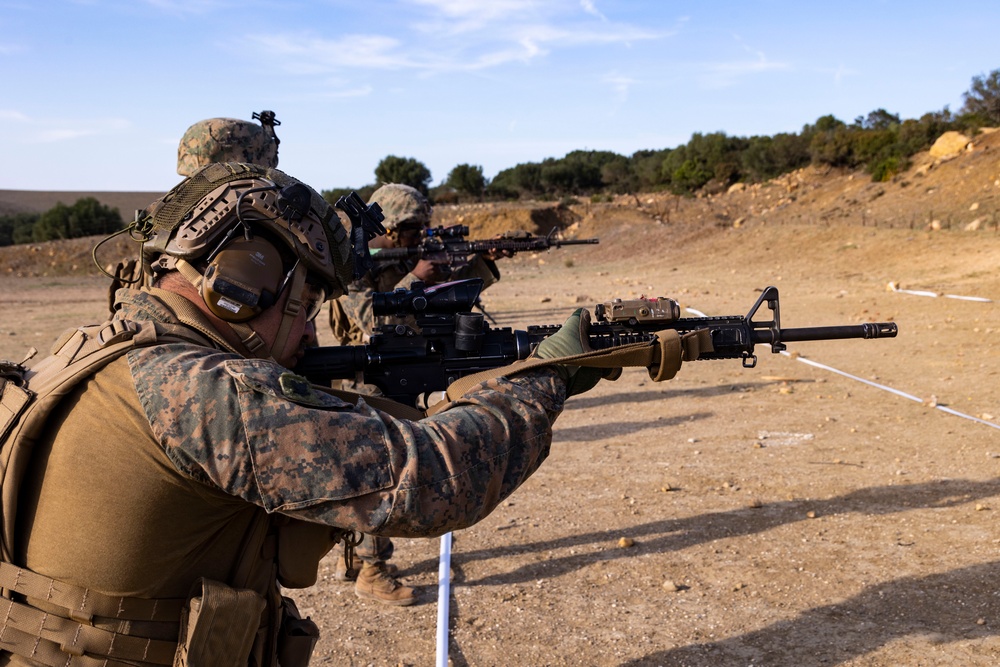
402 205
202 213
228 140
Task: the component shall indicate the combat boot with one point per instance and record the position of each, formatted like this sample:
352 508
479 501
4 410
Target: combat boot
342 573
375 583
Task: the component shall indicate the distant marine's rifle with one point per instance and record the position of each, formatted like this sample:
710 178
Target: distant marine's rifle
366 224
448 245
452 342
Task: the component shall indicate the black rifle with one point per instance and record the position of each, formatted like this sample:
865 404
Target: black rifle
452 342
366 224
448 245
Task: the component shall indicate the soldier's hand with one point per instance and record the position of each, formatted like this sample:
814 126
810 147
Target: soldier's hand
495 254
571 339
430 271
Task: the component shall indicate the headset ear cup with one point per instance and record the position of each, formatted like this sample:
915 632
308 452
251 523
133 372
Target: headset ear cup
242 280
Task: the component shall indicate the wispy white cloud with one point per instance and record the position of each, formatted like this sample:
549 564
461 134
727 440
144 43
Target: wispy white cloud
464 16
590 8
455 36
841 72
315 55
618 83
34 130
189 7
726 74
360 91
12 116
620 86
61 134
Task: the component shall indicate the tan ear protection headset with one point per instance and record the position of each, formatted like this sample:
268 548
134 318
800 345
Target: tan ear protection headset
275 251
243 278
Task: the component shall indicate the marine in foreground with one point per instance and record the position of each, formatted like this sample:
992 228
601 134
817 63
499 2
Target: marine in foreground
165 473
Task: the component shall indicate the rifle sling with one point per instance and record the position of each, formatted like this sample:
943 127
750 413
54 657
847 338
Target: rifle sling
381 403
662 358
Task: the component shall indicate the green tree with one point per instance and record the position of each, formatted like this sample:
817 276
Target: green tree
832 142
467 179
645 165
331 196
597 170
983 97
52 224
86 217
513 182
617 175
17 228
405 170
706 156
918 135
880 119
767 157
689 176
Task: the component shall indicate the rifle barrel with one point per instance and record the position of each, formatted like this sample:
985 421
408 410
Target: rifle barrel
866 330
576 242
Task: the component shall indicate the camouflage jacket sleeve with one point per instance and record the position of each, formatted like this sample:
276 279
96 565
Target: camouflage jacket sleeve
478 267
351 315
259 432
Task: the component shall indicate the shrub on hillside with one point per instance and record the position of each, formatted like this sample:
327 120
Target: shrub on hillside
17 228
405 170
87 217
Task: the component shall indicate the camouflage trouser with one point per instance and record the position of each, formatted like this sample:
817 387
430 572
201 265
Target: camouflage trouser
374 549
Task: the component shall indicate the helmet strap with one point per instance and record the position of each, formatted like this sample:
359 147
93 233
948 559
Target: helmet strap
252 341
293 305
192 274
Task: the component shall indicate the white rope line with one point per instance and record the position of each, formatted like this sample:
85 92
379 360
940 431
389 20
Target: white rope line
916 292
897 392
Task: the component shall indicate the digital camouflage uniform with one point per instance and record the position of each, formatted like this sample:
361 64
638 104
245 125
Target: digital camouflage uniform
352 321
351 318
153 470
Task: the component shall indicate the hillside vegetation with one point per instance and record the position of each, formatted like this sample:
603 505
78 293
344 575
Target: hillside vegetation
950 190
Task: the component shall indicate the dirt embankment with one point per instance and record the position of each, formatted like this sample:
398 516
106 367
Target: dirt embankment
959 192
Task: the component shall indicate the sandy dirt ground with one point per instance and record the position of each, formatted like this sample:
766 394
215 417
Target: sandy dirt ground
789 514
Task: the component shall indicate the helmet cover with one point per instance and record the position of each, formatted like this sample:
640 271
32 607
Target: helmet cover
211 207
402 205
225 140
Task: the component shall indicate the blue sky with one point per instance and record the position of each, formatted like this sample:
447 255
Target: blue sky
95 94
